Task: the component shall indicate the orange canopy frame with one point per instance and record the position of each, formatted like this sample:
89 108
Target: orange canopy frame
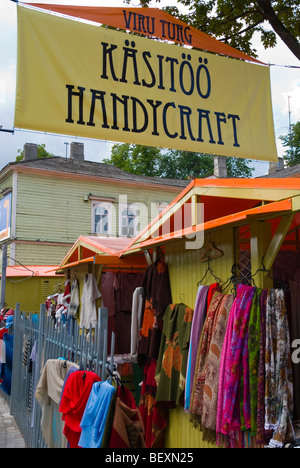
149 22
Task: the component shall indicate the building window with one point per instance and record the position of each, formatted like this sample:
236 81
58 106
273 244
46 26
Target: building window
129 221
102 222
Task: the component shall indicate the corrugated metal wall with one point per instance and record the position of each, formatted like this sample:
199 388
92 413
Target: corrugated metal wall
185 272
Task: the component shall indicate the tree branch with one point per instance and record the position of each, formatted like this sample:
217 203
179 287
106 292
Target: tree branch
271 16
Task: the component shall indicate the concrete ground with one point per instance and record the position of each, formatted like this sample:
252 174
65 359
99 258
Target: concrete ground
10 436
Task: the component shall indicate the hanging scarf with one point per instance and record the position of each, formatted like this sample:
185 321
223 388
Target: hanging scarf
197 326
236 370
223 372
254 355
261 439
203 351
212 370
279 386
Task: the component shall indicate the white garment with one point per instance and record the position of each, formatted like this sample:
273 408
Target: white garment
74 300
89 296
137 303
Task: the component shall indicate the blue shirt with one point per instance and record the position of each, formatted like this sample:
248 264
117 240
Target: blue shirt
95 415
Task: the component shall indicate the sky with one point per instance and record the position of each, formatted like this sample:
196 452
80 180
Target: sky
285 87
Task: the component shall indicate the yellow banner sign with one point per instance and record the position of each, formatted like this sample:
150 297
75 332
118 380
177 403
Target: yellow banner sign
84 80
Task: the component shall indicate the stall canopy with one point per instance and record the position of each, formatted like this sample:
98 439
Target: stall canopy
213 204
101 251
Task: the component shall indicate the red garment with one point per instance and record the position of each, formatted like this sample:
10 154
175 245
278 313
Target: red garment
75 396
152 416
212 289
2 332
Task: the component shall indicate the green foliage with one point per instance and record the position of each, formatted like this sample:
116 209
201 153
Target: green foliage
292 143
171 164
42 153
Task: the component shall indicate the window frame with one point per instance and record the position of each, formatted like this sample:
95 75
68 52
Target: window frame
108 207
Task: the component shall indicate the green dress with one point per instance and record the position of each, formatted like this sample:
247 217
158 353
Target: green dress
173 354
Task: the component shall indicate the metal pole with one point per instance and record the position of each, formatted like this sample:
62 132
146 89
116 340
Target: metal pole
3 277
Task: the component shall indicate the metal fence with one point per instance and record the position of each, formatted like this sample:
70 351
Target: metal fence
50 340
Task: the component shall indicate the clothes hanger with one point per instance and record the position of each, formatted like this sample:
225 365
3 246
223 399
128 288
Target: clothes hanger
211 248
209 270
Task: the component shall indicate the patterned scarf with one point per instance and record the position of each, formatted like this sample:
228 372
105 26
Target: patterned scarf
212 370
223 372
237 369
261 439
196 407
254 354
278 369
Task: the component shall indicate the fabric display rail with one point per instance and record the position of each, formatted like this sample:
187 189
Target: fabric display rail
42 356
226 362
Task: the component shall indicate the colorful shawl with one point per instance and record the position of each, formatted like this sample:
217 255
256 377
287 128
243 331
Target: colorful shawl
203 351
279 383
254 355
197 326
223 371
212 370
261 371
237 370
172 360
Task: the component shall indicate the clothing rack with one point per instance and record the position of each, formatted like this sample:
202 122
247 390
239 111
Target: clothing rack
87 348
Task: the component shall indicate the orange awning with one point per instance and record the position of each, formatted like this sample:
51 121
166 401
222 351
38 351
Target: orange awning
278 208
149 22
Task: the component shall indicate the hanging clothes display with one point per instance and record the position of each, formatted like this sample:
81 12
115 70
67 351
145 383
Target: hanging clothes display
128 282
172 360
243 375
279 384
75 395
48 394
206 384
157 297
90 294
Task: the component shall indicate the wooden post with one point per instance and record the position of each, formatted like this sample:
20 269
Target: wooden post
260 239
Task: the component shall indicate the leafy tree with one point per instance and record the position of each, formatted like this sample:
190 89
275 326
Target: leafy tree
172 164
292 142
235 22
42 153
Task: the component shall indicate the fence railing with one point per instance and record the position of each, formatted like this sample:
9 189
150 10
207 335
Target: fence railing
40 336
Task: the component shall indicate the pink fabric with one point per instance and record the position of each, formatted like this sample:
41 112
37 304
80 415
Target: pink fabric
223 369
237 356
